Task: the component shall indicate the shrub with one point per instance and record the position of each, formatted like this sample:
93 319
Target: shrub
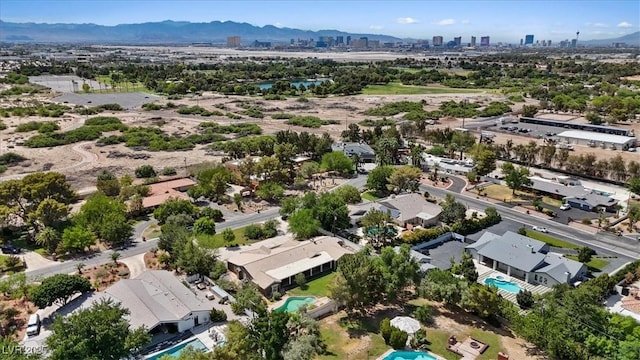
12 262
301 280
522 231
309 121
398 339
270 228
217 315
11 158
395 108
169 171
424 314
276 296
525 299
586 221
281 116
123 273
437 150
253 232
385 330
214 214
145 171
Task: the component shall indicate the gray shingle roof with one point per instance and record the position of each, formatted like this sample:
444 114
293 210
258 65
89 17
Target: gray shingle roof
408 206
556 266
512 249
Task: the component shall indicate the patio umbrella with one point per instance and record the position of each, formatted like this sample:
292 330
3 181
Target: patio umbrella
406 324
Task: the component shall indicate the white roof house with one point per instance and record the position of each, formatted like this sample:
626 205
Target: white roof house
586 136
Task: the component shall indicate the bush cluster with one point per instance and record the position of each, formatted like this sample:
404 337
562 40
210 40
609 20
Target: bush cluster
198 110
49 110
41 126
91 130
309 121
241 128
261 232
395 108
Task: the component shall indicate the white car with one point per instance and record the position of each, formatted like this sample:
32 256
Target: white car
540 229
565 207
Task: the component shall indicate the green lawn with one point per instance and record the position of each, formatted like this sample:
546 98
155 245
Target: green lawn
369 195
596 264
439 340
216 241
22 243
400 89
316 287
551 240
123 86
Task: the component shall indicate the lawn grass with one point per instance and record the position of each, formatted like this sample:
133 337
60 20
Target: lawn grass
216 241
152 232
123 86
3 258
551 240
370 195
343 338
317 287
400 89
596 264
551 201
22 243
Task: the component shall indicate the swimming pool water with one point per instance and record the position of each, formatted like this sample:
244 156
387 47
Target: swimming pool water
409 355
176 350
294 303
507 286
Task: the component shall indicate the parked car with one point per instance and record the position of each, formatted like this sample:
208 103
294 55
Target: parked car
564 207
33 325
10 249
541 229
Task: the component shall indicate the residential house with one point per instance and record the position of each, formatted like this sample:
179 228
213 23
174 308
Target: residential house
162 191
364 151
406 210
573 194
449 166
157 300
526 259
273 269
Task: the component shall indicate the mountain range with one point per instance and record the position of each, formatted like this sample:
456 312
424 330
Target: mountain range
184 32
164 32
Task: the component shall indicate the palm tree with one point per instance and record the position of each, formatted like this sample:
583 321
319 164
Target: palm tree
356 160
79 267
48 238
508 148
115 256
416 155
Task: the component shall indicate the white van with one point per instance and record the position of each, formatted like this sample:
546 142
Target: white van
33 325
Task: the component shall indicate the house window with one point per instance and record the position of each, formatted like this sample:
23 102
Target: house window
535 277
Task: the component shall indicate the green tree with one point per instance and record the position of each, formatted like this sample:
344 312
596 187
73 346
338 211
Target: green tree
49 238
405 178
529 110
424 314
634 185
77 238
21 198
99 332
174 207
204 226
385 329
288 206
515 177
398 338
228 235
525 299
483 300
51 213
461 141
337 161
248 298
193 259
237 199
172 238
58 289
349 194
359 283
270 191
466 268
378 227
484 159
145 171
108 183
106 218
300 280
303 224
114 257
585 254
378 178
399 270
212 184
452 211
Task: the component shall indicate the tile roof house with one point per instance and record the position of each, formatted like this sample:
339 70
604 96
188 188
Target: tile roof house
273 269
157 300
160 192
526 259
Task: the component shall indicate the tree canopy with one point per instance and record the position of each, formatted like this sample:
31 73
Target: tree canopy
58 289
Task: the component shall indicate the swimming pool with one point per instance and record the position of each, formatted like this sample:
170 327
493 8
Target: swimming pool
507 286
293 303
176 350
409 355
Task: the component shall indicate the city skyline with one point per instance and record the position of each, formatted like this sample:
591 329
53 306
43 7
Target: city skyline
503 21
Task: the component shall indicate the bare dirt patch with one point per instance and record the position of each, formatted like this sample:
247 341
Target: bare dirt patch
101 277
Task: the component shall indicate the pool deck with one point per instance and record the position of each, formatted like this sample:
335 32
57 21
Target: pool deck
485 272
386 353
210 334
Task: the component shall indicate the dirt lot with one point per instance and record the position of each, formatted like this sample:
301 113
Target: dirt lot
81 162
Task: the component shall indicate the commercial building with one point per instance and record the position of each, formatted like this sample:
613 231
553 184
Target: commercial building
274 269
528 40
458 40
473 41
484 41
594 139
437 41
233 41
526 259
585 127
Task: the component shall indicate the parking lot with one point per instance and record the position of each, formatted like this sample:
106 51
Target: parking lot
530 130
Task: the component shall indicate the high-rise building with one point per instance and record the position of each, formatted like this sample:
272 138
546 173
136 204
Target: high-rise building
348 39
528 40
358 43
574 43
485 41
473 41
339 40
458 40
233 41
521 42
437 41
548 42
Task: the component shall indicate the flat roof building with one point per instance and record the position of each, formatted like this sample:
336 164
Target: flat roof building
595 139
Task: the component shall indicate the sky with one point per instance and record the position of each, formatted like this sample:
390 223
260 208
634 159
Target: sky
420 19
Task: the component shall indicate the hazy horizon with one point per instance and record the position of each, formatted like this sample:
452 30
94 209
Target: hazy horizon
506 21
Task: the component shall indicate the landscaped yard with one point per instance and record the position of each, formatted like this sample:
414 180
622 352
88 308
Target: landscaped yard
357 339
439 340
123 86
551 240
317 287
400 89
369 195
216 241
502 193
23 244
152 232
595 264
